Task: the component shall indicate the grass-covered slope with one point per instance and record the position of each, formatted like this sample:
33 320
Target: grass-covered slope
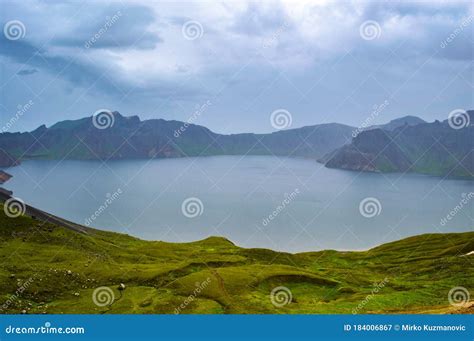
50 269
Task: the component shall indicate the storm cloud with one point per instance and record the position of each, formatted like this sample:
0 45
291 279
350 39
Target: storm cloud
323 61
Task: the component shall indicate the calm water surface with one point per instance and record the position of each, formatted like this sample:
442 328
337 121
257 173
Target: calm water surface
312 207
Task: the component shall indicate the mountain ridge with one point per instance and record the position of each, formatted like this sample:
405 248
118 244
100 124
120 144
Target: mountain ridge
437 148
115 136
129 137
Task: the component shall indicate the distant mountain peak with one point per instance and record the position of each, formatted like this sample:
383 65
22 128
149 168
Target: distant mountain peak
399 122
410 119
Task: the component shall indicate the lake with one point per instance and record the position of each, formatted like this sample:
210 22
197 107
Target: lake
283 204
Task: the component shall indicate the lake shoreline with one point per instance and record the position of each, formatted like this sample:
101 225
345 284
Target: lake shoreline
45 217
144 199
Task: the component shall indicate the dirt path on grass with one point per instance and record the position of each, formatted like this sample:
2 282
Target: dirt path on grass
220 283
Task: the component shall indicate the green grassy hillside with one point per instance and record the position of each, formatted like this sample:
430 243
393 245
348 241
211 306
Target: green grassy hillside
50 269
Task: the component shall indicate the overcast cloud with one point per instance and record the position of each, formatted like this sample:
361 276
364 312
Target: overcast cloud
162 59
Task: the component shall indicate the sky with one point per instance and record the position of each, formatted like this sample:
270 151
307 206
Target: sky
229 65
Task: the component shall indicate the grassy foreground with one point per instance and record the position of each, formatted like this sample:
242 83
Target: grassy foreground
50 269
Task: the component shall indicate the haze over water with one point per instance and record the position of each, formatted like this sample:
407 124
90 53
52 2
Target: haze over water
238 193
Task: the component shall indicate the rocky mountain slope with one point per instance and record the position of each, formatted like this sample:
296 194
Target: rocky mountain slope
129 137
429 148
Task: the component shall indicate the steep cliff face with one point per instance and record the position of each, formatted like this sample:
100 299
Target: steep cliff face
430 148
365 154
